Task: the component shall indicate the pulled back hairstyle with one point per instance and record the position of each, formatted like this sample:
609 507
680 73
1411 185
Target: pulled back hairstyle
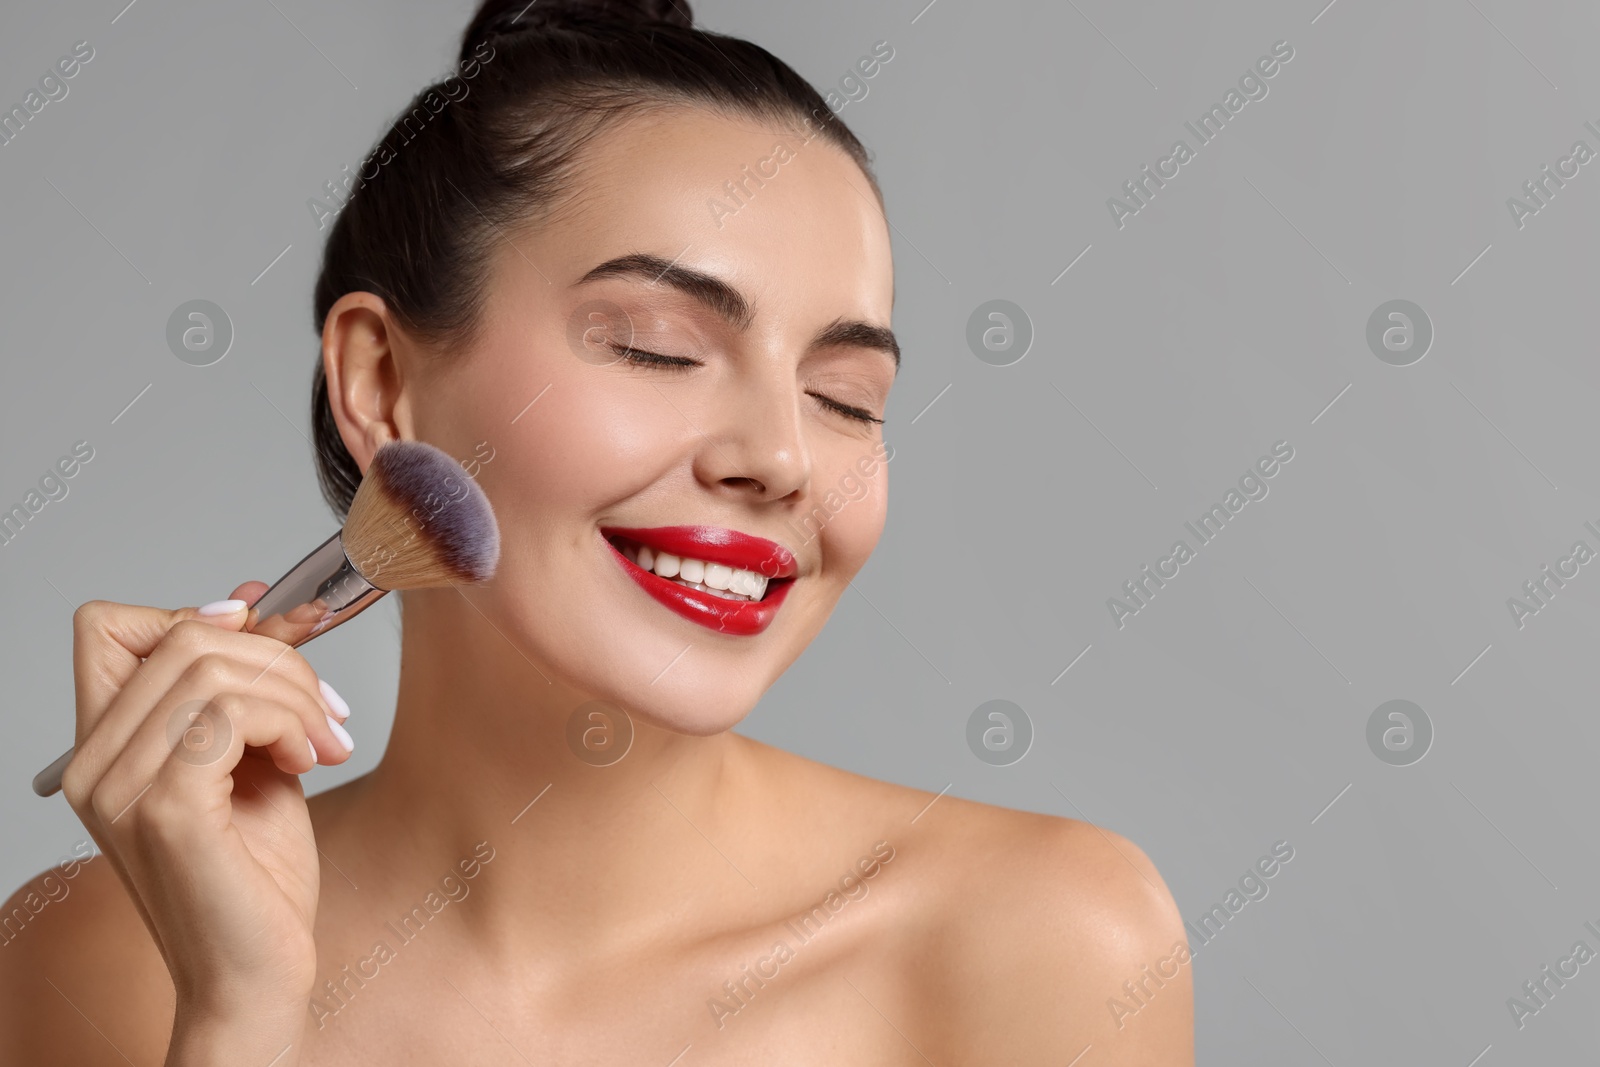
541 79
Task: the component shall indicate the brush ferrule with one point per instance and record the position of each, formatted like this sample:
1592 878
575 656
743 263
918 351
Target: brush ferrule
320 592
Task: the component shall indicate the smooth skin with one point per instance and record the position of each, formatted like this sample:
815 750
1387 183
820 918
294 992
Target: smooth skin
606 906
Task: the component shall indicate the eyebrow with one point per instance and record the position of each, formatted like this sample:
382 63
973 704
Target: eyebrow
731 305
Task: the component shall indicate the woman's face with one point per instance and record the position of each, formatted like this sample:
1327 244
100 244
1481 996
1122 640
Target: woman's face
759 263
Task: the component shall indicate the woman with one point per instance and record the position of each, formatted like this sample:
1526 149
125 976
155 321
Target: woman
638 278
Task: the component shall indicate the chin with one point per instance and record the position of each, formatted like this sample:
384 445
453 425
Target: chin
617 646
681 682
668 650
701 716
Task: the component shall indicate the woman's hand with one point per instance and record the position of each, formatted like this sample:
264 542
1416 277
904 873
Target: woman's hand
186 774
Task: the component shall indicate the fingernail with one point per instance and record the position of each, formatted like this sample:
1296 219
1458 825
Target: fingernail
341 733
313 749
335 701
221 607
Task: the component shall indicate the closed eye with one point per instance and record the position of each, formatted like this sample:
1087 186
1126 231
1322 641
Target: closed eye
845 409
656 359
651 359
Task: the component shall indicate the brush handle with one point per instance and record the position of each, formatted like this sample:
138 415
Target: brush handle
320 592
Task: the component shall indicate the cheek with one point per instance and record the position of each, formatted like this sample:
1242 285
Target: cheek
594 435
853 532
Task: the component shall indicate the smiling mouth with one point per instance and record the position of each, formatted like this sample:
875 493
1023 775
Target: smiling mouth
705 576
722 579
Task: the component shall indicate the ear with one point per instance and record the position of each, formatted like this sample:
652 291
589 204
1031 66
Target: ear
361 359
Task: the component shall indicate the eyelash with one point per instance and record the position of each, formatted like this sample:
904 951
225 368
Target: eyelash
655 359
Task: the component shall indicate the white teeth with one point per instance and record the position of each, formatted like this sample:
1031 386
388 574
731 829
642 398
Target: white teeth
702 587
718 575
730 583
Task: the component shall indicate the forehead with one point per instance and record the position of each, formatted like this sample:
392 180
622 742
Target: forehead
792 223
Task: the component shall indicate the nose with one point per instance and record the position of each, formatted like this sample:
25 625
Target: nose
755 444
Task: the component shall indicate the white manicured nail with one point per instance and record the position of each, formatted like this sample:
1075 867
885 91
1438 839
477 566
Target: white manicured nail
313 749
221 607
341 733
335 701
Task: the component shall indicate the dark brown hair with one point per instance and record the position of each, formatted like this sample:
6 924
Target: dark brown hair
495 145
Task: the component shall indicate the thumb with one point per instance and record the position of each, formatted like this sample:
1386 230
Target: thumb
229 614
223 614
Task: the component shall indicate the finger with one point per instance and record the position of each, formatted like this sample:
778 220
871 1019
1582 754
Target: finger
187 803
250 592
185 716
199 820
227 654
212 737
110 640
111 643
188 642
193 664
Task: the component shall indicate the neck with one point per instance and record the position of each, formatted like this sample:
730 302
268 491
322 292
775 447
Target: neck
586 853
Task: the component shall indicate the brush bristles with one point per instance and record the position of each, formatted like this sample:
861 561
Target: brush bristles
418 520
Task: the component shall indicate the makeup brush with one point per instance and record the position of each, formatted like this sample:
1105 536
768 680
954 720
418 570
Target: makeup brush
417 520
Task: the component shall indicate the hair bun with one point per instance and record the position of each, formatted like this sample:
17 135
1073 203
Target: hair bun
499 18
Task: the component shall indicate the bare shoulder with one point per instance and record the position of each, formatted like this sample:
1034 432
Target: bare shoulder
1056 935
81 981
1018 929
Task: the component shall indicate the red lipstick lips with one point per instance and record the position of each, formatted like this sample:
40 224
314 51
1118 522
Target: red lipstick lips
713 544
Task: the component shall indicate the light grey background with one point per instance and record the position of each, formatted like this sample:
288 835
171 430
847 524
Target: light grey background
1225 316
